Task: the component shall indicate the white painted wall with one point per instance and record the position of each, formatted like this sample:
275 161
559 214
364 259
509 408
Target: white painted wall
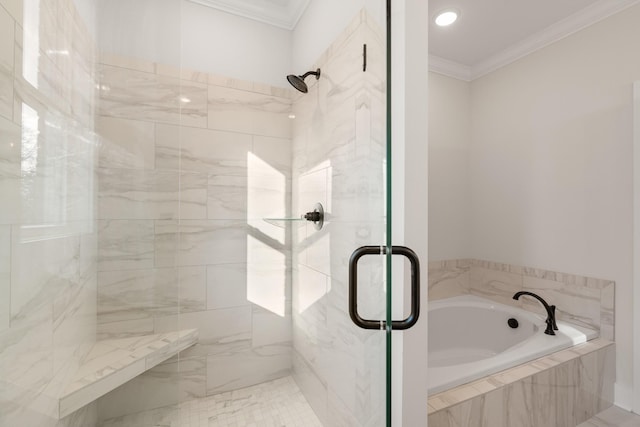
235 46
551 164
449 181
321 23
193 36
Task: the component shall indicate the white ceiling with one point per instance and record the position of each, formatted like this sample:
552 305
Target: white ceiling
492 33
488 34
281 13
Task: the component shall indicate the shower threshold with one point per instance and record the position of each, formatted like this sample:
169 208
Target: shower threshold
277 403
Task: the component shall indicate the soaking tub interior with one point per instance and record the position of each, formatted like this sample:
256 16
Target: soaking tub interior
469 338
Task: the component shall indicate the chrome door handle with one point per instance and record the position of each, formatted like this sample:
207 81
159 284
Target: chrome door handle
353 288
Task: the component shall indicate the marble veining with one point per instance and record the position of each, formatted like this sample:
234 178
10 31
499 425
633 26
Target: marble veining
114 362
338 161
277 403
562 389
174 236
582 300
151 97
48 153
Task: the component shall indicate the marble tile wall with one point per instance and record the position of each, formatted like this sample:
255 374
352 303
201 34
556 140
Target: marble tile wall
338 158
563 389
190 165
48 233
581 300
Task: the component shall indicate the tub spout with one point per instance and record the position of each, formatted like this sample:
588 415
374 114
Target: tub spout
551 311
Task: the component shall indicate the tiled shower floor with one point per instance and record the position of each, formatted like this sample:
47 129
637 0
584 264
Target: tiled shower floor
277 403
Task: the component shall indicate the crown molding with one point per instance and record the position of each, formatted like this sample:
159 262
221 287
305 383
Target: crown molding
282 14
449 68
588 16
570 25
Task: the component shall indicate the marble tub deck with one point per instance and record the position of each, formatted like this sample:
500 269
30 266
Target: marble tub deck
453 404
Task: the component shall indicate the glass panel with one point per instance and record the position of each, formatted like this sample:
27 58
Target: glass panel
340 161
154 167
48 215
140 279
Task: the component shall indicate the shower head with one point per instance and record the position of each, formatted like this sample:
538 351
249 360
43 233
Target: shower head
298 81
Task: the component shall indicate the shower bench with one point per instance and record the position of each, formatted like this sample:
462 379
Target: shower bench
111 363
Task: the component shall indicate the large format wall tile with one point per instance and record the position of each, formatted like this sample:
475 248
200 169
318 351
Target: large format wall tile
145 96
233 370
126 143
6 64
5 276
575 304
248 112
138 194
200 242
582 300
48 156
10 171
139 294
226 286
448 278
182 237
202 150
126 245
218 329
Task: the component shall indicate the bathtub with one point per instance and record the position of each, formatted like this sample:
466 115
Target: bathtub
469 338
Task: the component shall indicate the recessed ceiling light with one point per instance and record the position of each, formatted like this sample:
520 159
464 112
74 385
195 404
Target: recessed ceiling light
446 17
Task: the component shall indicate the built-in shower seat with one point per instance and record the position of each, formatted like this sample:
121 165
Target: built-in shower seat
111 363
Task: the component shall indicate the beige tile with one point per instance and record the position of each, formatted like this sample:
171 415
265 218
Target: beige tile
144 96
516 374
126 143
6 95
137 194
496 285
125 244
575 304
607 317
126 62
193 195
15 9
197 242
5 276
6 42
248 112
518 403
202 150
447 281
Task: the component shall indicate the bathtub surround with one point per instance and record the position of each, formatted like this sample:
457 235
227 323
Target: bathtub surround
562 390
549 165
581 300
190 164
48 153
469 339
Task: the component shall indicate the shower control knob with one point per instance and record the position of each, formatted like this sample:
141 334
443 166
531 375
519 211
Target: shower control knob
317 216
312 216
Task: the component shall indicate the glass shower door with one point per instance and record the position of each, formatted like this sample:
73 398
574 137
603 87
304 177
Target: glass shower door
341 152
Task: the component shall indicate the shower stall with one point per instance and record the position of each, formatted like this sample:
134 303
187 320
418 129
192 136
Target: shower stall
178 221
